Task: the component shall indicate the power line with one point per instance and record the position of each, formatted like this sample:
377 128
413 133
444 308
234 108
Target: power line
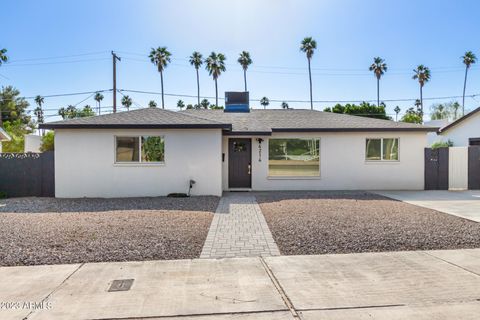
301 101
60 57
50 63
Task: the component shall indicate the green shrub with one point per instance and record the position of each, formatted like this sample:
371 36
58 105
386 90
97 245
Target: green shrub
442 144
48 142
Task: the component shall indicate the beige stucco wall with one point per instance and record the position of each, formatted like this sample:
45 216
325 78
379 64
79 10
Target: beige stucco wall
85 164
343 165
460 133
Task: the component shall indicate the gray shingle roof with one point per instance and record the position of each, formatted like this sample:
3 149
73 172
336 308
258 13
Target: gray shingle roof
141 118
262 122
266 121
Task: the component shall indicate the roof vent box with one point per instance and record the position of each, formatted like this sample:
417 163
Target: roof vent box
237 101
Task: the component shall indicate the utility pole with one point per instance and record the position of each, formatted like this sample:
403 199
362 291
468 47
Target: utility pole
114 59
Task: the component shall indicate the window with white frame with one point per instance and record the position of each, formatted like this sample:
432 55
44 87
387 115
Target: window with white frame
139 149
382 149
294 157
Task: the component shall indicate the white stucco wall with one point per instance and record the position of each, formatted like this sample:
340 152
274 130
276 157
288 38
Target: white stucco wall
32 143
85 164
460 133
343 165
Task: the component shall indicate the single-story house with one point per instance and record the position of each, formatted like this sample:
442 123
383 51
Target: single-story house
3 137
154 152
464 131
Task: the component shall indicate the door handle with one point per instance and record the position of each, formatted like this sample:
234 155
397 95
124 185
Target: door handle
249 169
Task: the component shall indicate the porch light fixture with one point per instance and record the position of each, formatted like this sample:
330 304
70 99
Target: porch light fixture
260 140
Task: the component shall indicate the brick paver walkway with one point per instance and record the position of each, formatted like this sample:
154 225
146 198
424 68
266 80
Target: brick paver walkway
239 229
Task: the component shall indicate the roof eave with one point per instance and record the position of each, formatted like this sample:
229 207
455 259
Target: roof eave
459 120
4 136
53 126
420 129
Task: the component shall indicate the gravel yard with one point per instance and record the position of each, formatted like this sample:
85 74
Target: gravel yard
54 231
345 222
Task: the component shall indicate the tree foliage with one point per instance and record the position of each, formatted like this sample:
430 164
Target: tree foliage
13 107
72 112
447 111
48 142
412 115
364 109
14 119
16 130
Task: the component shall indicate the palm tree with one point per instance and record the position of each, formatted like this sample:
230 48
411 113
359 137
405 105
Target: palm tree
38 110
196 60
126 102
284 105
3 56
180 104
161 58
152 104
245 61
397 111
308 46
264 102
204 104
469 58
379 67
215 65
98 97
422 74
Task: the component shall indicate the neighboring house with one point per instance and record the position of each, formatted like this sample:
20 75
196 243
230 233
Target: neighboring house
3 137
432 137
32 143
153 152
464 131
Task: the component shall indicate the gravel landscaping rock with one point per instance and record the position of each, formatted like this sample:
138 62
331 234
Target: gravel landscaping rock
346 222
54 231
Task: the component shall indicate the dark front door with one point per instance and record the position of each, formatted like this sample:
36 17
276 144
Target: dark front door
239 163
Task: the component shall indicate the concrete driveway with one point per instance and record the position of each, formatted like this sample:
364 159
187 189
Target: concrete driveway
464 204
400 285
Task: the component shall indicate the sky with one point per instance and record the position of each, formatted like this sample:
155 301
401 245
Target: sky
62 47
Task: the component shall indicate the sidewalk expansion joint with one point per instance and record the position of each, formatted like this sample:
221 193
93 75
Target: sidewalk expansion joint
451 263
280 289
55 289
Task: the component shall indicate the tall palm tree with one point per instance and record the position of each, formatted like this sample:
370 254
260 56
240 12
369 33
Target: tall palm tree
422 74
215 65
379 67
126 102
196 60
264 102
284 105
98 97
160 57
308 46
245 61
469 58
38 110
397 111
3 56
152 104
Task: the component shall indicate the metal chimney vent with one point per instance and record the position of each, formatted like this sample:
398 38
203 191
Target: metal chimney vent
237 101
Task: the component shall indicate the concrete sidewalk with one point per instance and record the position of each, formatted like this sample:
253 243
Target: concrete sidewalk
401 285
463 204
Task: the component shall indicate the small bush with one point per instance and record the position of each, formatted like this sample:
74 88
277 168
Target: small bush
3 195
48 142
442 144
